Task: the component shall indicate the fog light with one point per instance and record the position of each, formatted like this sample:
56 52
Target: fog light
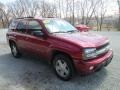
91 67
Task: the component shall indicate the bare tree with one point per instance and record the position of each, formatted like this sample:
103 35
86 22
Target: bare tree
47 9
82 11
100 15
3 15
88 7
73 12
21 8
118 26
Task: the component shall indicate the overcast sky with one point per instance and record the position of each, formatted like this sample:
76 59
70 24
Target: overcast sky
111 6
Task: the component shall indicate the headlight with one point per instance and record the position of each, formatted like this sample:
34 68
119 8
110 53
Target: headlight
89 53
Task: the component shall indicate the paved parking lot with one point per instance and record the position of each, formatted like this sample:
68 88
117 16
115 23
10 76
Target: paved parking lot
29 73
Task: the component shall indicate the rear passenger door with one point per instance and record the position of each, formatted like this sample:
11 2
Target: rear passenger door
21 35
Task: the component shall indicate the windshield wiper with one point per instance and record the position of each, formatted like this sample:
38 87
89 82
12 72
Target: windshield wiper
72 31
66 31
59 32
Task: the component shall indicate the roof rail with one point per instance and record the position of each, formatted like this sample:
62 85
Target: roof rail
24 17
50 17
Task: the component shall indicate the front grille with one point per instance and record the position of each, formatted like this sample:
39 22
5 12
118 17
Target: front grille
102 49
102 46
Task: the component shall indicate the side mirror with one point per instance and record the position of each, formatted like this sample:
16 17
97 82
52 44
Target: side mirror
38 33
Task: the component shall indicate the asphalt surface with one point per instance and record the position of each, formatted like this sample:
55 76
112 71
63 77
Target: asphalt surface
30 73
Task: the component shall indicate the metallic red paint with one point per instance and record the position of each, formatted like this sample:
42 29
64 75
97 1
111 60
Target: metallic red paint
84 67
83 28
69 43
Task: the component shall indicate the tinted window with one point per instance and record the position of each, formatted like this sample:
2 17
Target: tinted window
21 27
57 26
13 24
34 26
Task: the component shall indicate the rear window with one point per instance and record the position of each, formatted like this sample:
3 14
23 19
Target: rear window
13 24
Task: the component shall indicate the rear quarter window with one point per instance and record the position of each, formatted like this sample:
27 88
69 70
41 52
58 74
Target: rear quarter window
13 24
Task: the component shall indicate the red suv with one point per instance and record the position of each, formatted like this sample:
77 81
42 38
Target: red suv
61 44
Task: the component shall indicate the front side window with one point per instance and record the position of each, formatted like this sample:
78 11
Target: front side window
34 26
58 26
21 27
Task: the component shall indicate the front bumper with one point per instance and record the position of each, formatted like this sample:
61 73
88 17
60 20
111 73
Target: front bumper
85 67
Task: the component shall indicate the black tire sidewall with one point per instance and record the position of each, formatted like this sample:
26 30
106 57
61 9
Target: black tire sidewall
68 62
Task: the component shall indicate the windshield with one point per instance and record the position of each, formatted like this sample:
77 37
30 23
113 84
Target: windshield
58 26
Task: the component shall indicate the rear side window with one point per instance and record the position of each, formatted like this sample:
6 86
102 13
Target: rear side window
13 24
34 26
21 27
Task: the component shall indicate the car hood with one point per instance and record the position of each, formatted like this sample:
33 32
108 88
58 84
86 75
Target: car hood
83 39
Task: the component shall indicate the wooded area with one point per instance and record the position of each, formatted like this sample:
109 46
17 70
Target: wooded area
88 12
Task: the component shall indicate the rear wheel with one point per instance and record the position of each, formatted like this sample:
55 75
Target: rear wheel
63 67
14 50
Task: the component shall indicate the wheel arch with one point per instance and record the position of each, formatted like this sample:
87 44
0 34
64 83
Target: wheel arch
55 52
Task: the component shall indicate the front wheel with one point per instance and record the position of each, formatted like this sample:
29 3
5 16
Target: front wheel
63 67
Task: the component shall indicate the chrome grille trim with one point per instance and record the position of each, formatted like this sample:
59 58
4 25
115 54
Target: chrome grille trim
103 49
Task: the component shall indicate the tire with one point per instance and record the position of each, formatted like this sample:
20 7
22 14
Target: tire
63 67
14 50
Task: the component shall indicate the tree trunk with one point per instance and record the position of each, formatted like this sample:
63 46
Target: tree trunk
3 23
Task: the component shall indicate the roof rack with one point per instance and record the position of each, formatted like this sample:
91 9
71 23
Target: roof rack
50 17
24 17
